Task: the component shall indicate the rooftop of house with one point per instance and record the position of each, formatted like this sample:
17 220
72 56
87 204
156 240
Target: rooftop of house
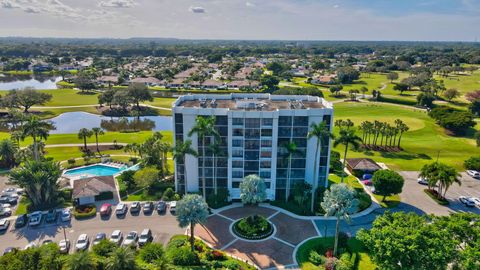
363 164
92 186
252 102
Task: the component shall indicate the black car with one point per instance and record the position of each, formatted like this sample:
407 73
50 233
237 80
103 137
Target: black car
148 207
51 216
135 207
161 207
21 221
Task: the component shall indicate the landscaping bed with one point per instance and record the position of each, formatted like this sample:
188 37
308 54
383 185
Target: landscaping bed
85 211
253 227
434 195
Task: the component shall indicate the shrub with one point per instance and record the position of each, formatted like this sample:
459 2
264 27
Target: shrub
71 161
134 160
316 258
364 200
84 211
343 239
182 256
127 178
104 248
253 227
219 200
168 194
434 195
151 252
452 119
216 255
344 263
473 163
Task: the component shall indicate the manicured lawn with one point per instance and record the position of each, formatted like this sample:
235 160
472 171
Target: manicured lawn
464 82
162 102
390 201
70 97
319 244
350 180
22 206
421 144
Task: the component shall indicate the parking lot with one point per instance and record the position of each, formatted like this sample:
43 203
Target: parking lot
414 198
163 227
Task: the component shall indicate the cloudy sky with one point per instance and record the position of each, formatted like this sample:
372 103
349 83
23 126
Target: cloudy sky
449 20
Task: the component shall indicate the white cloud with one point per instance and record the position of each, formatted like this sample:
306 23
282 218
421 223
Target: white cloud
336 6
118 3
197 9
250 4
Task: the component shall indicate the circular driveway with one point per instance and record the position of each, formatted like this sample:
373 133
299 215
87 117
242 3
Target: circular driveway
273 252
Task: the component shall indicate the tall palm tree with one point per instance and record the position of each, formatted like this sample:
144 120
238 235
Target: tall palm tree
16 136
180 151
122 258
204 127
8 149
217 152
97 131
38 130
347 137
80 261
164 148
321 132
290 150
84 134
401 128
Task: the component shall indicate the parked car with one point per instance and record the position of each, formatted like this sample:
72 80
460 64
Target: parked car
66 215
8 198
82 242
13 190
131 239
173 207
135 207
116 237
30 245
35 218
474 174
9 249
476 201
5 212
21 221
467 201
47 241
367 182
105 209
4 224
121 209
98 238
145 237
148 207
161 207
367 176
64 246
51 216
422 181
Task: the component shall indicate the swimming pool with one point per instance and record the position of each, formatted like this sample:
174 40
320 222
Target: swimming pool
95 170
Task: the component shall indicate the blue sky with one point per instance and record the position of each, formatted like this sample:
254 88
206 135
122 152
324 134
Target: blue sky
449 20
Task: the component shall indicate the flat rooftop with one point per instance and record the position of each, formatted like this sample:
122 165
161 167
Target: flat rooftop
252 102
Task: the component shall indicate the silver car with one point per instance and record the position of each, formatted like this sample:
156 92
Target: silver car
82 242
116 237
131 239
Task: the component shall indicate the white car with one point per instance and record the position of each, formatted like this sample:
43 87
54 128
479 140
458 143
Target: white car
173 207
131 239
82 242
422 181
30 245
121 209
5 211
474 174
467 201
64 246
4 223
476 201
116 237
66 215
35 218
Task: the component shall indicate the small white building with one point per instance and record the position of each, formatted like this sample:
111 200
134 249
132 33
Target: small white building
85 190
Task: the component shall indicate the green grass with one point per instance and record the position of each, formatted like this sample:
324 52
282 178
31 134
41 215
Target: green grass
143 197
70 97
350 180
354 245
462 82
22 206
421 144
390 201
162 102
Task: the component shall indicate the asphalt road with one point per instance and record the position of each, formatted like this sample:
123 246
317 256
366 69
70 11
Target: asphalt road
163 228
414 198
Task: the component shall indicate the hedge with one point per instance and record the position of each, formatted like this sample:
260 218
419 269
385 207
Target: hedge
85 211
107 195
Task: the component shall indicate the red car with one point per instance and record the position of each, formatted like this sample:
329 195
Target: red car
367 182
106 209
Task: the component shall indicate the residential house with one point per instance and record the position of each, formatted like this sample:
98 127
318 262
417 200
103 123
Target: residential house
92 189
148 81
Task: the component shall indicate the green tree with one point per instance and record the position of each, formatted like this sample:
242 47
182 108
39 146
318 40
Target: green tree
407 241
80 261
321 133
339 202
97 132
392 76
204 127
146 177
191 210
288 150
25 98
425 99
253 190
346 75
38 130
451 94
122 258
134 148
122 99
270 82
472 163
107 97
139 92
474 107
104 248
8 150
180 151
83 134
441 175
401 87
40 181
387 183
348 138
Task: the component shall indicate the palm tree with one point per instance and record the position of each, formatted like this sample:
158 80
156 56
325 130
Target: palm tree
401 128
8 149
321 132
180 151
133 148
97 131
204 127
16 136
290 150
347 137
122 258
164 148
217 152
80 261
38 130
84 134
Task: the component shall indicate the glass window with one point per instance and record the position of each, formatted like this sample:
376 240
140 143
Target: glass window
237 121
235 184
265 174
300 121
266 143
284 132
267 121
285 121
238 132
178 118
298 163
251 165
237 153
300 132
237 164
265 164
252 123
267 132
237 143
221 120
252 133
266 154
252 155
252 144
237 174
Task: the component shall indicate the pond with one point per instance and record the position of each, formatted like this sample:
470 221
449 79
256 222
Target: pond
72 122
18 82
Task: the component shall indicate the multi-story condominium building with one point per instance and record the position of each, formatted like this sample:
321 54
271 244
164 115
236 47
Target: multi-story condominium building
254 131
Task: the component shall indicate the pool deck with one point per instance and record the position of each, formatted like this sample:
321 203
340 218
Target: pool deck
74 177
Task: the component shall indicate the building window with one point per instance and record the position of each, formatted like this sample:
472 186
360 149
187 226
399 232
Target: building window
267 122
237 121
237 174
237 132
285 121
235 184
266 154
252 123
267 132
237 164
237 153
237 143
266 143
300 121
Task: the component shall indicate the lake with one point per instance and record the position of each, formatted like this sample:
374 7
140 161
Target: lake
72 122
18 82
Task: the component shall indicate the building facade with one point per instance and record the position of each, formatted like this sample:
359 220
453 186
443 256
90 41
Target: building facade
254 132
